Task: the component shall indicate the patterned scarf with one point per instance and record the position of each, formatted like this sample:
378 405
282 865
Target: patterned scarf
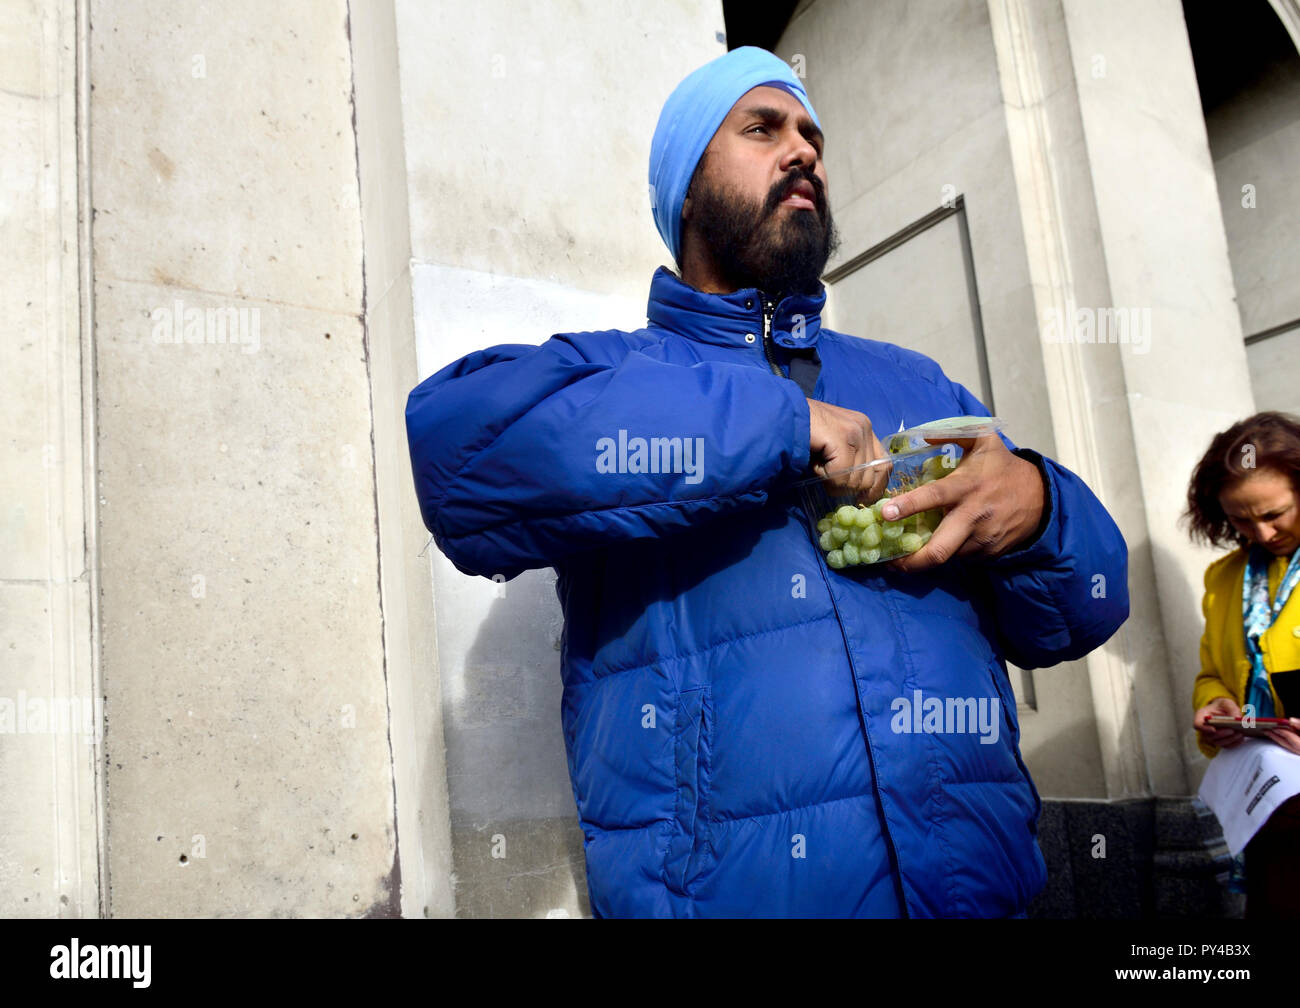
1258 615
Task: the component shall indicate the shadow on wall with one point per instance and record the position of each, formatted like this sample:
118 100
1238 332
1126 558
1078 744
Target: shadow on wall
517 843
517 847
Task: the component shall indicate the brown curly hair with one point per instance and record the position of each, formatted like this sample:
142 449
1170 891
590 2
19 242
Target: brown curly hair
1269 440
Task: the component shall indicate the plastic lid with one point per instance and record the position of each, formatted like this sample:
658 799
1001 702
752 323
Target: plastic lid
912 440
958 427
948 428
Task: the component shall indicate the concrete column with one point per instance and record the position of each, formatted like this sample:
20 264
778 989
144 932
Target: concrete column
248 759
50 709
1117 195
410 642
1162 234
1288 12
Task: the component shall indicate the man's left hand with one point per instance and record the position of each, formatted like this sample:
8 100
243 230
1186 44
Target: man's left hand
994 502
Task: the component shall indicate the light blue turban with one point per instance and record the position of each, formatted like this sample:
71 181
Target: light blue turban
692 115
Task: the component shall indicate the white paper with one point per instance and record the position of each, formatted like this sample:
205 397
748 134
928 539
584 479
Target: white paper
1245 783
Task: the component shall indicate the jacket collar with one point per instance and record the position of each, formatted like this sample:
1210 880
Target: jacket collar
726 319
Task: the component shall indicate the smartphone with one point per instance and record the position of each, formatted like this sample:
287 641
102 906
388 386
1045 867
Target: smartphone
1258 729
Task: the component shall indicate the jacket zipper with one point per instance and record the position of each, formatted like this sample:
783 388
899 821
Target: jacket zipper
897 866
871 756
769 309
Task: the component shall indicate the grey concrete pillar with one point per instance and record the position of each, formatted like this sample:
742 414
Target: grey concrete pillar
249 768
50 709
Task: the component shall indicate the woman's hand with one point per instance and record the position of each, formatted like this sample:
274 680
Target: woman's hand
1287 738
1223 738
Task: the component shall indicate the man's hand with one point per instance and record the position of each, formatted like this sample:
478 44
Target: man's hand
1224 738
993 501
839 439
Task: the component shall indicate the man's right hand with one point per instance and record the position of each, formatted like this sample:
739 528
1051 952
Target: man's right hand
840 439
1224 738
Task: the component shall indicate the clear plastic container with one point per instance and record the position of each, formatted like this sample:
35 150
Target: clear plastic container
947 428
850 532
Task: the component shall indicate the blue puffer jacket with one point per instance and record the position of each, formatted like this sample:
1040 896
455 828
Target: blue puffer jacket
731 705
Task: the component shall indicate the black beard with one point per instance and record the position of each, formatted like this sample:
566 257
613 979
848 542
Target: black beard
752 247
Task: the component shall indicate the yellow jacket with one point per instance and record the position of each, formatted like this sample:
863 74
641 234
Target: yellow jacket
1225 668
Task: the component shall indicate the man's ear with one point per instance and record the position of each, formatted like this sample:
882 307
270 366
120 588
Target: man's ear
690 188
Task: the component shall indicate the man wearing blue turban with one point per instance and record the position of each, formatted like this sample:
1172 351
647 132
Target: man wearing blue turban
732 704
733 87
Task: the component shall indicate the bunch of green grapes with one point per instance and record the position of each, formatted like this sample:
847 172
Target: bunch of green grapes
858 534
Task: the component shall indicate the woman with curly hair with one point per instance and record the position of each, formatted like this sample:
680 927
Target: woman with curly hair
1246 491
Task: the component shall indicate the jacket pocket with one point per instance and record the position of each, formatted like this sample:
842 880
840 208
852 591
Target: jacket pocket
1280 644
1006 698
693 752
1011 722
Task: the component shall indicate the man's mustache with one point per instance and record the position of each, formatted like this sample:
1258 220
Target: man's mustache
786 186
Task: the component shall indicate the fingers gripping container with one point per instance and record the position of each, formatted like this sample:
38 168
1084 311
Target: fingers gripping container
847 526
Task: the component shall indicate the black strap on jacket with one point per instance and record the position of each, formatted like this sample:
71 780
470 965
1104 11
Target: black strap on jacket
805 366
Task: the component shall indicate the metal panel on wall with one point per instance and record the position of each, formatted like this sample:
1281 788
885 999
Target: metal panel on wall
916 289
1273 372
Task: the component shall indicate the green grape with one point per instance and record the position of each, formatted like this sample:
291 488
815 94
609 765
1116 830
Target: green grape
824 525
835 558
909 542
845 515
839 533
870 536
855 537
827 542
937 466
892 529
878 507
864 517
869 556
851 557
925 537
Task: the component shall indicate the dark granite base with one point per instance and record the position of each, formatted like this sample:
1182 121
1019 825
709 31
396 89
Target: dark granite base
1140 858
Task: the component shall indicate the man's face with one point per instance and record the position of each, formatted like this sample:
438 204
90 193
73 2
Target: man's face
757 200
